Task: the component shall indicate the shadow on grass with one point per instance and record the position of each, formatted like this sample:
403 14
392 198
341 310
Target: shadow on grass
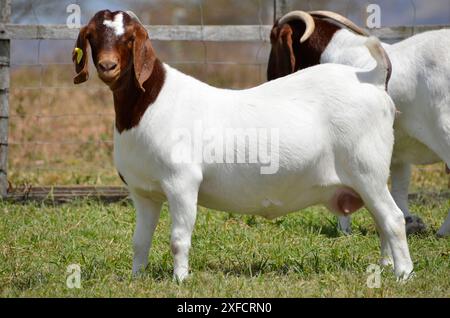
330 229
28 281
310 263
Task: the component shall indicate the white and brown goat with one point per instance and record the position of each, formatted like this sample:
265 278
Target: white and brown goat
419 87
333 145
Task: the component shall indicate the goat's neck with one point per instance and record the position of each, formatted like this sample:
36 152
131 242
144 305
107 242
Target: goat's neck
126 97
130 102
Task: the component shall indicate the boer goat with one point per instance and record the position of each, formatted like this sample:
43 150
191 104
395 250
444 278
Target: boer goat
331 132
419 86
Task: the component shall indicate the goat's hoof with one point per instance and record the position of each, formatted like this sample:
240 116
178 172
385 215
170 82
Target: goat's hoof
404 272
345 229
403 278
138 271
414 225
386 262
180 276
442 234
137 275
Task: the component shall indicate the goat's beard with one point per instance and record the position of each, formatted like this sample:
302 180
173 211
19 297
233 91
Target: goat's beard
123 79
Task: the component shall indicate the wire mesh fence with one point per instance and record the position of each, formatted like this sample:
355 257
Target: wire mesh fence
61 134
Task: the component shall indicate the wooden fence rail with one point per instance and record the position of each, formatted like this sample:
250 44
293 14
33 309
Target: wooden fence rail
67 194
210 33
60 195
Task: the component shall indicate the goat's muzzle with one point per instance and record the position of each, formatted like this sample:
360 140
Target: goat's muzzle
108 70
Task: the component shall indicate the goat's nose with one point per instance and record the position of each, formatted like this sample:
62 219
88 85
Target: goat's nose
106 66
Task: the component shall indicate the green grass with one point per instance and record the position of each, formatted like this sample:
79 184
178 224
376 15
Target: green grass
300 255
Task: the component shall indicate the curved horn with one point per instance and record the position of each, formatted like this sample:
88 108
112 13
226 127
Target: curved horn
133 16
340 19
303 16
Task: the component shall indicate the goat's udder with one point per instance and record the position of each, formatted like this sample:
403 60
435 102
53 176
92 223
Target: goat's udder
346 201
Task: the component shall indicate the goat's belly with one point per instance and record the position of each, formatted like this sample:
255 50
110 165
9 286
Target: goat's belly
267 205
340 200
410 150
269 200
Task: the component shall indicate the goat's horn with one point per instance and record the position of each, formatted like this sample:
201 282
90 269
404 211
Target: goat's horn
133 16
303 16
340 19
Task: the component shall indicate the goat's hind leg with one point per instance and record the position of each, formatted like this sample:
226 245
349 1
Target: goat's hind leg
370 175
444 231
391 225
437 138
400 175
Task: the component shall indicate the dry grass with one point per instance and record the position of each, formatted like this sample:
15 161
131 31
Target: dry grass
57 135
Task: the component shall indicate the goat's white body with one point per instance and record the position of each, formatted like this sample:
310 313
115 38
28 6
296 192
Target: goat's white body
334 132
321 120
420 88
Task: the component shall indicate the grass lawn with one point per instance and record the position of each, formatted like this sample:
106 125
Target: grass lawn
300 255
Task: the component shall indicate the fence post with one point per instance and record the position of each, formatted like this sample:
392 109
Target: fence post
5 14
280 8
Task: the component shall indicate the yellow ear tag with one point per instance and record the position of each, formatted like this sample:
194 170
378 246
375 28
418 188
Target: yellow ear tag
79 53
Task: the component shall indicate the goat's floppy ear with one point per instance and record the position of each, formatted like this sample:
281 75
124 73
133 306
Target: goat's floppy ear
143 56
285 41
80 57
282 58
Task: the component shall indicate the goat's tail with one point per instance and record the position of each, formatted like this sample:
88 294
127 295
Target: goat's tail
383 70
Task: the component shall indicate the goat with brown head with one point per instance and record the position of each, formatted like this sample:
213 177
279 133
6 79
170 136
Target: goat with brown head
299 38
163 108
125 61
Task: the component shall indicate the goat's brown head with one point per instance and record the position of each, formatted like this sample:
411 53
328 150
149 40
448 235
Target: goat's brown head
299 38
287 34
119 45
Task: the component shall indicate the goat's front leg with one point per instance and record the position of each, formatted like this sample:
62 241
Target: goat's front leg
401 174
345 224
182 197
147 216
